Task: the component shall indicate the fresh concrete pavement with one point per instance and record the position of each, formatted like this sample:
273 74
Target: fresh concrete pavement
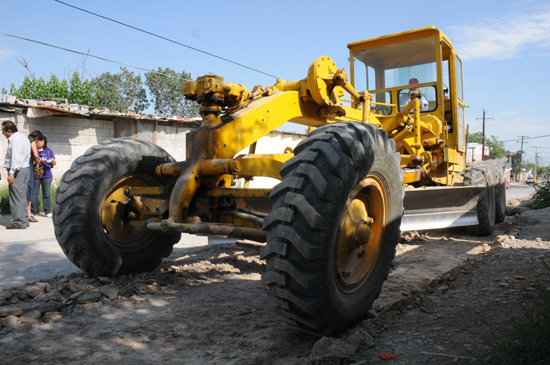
33 254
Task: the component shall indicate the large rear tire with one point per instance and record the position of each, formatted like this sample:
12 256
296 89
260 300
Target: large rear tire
481 173
500 191
334 226
91 193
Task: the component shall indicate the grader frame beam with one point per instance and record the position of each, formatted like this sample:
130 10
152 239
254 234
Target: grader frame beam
313 101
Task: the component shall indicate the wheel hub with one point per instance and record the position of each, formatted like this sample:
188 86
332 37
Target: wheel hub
117 210
361 233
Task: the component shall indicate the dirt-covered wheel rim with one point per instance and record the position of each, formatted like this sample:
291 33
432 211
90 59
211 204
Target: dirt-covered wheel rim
117 210
360 235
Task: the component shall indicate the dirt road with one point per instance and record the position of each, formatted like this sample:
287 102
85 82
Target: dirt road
206 305
33 254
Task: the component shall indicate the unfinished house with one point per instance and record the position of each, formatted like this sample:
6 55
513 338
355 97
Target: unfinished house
71 129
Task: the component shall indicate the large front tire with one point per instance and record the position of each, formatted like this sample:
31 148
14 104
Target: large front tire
89 207
334 226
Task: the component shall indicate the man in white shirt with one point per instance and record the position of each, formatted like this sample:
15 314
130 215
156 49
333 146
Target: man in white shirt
17 164
404 98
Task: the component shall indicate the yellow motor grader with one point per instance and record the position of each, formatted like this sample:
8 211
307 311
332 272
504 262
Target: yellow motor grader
385 153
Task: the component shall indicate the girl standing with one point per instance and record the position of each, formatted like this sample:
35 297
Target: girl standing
33 162
47 159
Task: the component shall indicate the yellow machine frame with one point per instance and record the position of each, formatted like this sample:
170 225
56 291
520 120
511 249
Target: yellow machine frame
234 118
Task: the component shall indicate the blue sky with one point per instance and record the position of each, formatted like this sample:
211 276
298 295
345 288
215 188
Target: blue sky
505 45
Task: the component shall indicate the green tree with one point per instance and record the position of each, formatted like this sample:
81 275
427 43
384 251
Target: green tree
496 146
167 95
59 88
121 91
515 164
78 92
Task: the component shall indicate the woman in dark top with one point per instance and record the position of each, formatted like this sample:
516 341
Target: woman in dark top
47 159
35 160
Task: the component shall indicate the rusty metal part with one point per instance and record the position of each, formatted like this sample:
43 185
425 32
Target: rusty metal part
253 212
210 113
213 229
417 160
141 226
155 206
255 246
253 165
185 188
213 88
147 190
117 211
218 167
171 169
189 181
235 193
332 111
341 78
245 216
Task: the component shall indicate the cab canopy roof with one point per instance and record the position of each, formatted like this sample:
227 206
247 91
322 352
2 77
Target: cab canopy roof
387 50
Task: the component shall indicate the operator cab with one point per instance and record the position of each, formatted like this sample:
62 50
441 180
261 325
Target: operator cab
389 67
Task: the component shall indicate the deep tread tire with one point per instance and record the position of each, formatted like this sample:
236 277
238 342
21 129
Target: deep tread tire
76 217
500 191
303 226
481 173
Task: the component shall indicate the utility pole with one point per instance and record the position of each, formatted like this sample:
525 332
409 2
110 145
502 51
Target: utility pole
536 159
520 155
483 135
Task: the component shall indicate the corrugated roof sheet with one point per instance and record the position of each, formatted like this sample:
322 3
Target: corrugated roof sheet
37 108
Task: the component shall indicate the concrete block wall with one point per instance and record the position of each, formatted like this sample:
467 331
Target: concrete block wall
69 138
171 137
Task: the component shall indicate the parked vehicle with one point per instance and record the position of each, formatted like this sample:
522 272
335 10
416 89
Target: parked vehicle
530 180
389 162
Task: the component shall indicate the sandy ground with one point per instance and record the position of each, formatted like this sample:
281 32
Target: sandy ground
33 254
206 305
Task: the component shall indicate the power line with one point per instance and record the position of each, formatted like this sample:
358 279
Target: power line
513 140
161 37
89 55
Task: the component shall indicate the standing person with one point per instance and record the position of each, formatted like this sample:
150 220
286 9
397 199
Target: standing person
17 164
34 161
47 159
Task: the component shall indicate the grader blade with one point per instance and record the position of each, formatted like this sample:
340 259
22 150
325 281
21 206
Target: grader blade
440 207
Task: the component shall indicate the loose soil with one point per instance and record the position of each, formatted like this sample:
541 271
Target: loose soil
207 306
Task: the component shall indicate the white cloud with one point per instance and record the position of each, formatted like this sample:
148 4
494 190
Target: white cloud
507 37
6 53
